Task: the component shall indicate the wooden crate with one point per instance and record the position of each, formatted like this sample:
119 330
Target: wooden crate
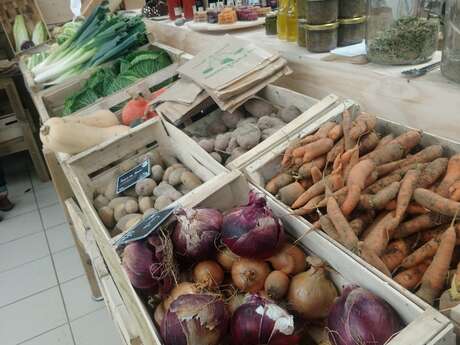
10 128
262 168
230 189
91 169
50 101
28 8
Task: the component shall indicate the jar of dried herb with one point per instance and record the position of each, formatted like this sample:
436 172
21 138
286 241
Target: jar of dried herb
450 65
352 8
399 34
270 23
351 31
321 38
301 33
322 11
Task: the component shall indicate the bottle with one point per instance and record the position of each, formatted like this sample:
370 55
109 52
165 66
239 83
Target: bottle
292 29
281 22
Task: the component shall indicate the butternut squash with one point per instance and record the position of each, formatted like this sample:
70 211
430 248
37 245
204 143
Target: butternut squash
72 138
100 118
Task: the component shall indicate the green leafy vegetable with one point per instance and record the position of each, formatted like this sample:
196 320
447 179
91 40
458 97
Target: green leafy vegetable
21 36
40 35
67 31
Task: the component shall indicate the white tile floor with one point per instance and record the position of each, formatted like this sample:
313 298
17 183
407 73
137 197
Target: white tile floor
44 296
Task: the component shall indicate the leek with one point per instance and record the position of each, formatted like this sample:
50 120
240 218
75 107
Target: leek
101 38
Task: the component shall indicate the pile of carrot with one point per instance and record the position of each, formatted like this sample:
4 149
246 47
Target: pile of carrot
384 197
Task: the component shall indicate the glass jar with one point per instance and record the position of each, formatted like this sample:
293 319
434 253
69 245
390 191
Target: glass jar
321 38
281 22
292 21
398 35
270 23
351 31
301 9
322 11
301 33
352 8
450 64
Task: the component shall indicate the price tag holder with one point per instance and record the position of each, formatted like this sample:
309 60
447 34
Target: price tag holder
129 178
145 227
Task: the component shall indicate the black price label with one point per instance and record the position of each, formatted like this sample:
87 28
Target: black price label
146 226
129 178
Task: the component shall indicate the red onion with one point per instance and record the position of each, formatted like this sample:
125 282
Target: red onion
252 231
195 319
260 321
196 231
360 317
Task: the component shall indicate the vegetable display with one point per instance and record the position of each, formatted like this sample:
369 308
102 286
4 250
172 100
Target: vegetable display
230 135
229 299
21 35
101 38
384 197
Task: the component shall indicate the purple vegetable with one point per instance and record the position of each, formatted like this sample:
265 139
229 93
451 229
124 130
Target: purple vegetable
252 231
195 319
196 232
360 317
260 321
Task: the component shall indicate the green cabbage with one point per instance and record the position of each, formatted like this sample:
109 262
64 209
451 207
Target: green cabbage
20 33
40 35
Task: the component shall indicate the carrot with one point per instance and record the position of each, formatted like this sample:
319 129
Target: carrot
354 159
426 251
336 132
452 175
427 235
287 157
408 184
347 236
387 168
432 172
316 149
339 196
373 259
346 128
335 182
305 170
371 179
434 277
420 223
389 153
385 140
395 253
336 150
436 202
382 183
381 198
413 208
377 240
363 123
411 277
277 182
288 194
306 183
310 206
455 286
316 174
359 223
355 184
321 133
426 155
374 223
368 143
454 191
328 227
408 140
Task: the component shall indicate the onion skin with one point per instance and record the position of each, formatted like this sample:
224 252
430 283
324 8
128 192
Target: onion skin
208 274
196 231
249 275
197 319
276 284
185 288
252 231
226 258
290 259
137 260
360 317
253 323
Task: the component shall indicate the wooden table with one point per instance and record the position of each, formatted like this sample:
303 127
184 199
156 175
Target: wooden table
431 102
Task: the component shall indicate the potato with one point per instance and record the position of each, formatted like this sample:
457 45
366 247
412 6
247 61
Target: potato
110 191
231 119
120 200
232 144
175 176
221 142
247 136
145 202
165 189
184 190
289 113
100 201
288 194
131 206
130 192
148 212
269 131
128 165
99 190
216 156
106 214
128 221
266 122
169 159
170 169
207 144
235 154
246 121
216 127
157 173
162 202
119 211
145 187
154 156
190 180
258 108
